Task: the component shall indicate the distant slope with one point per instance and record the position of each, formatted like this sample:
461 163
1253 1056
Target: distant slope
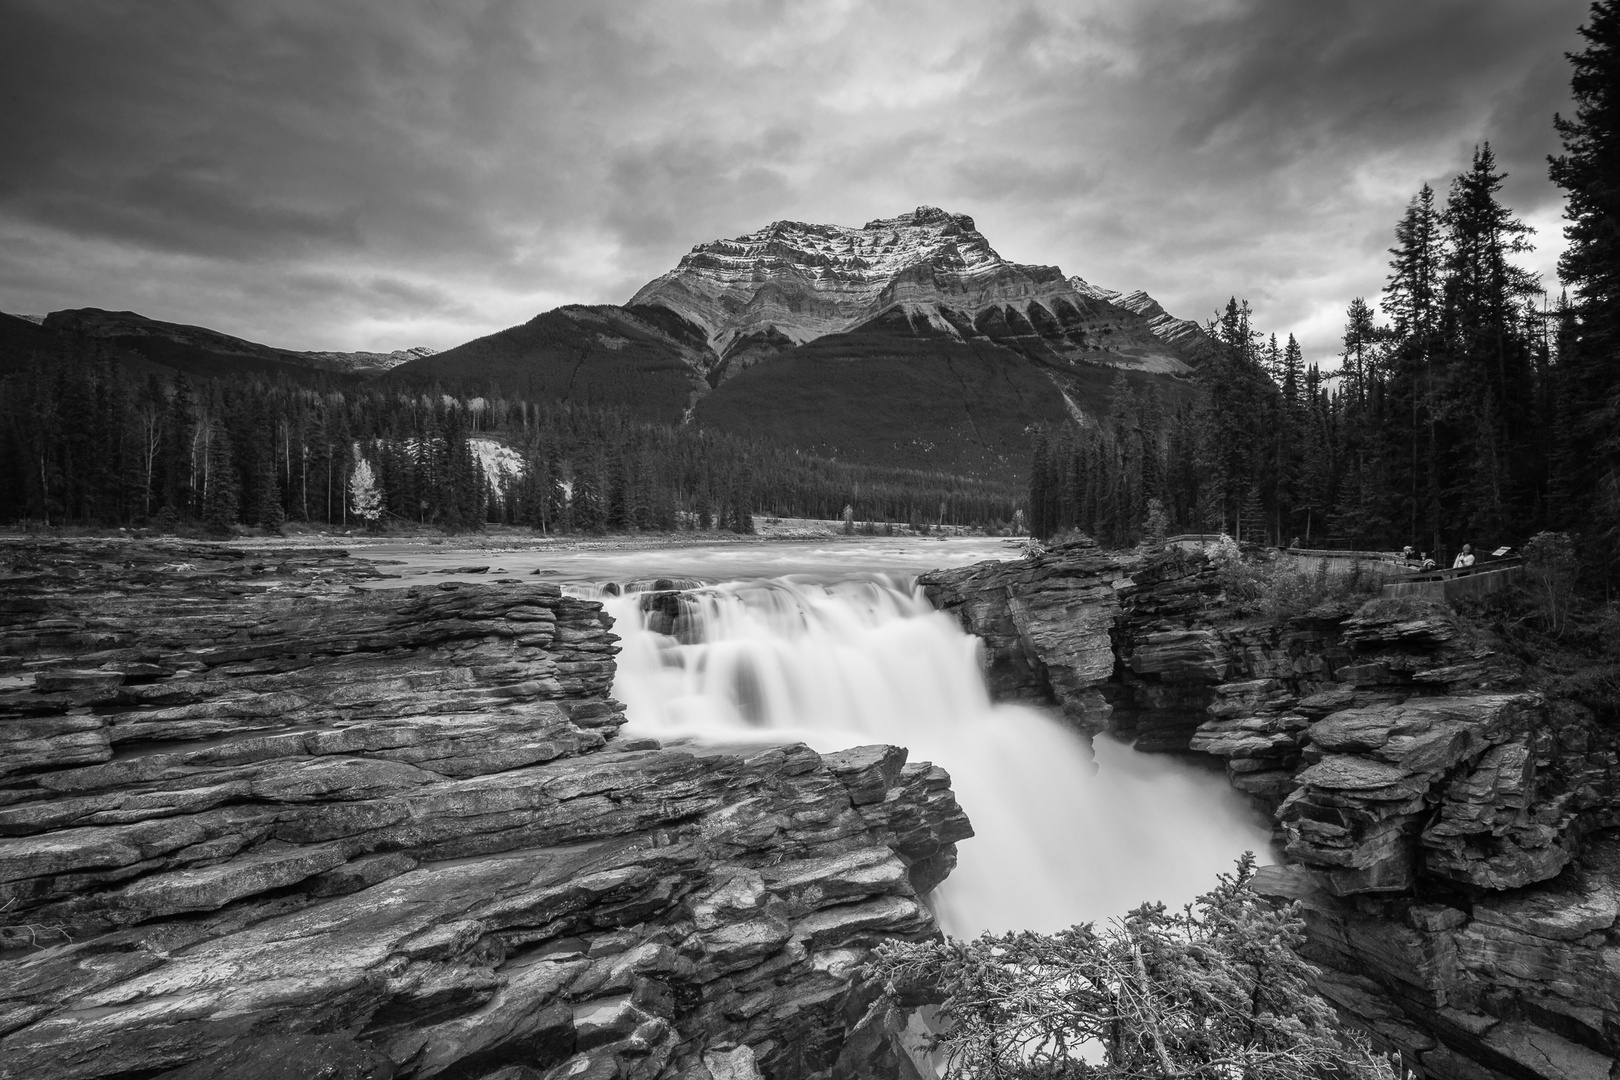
904 390
896 392
648 360
363 362
24 343
206 353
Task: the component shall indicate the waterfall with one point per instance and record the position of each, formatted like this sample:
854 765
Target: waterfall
1067 830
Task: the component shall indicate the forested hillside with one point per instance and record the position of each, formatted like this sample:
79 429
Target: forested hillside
647 360
82 442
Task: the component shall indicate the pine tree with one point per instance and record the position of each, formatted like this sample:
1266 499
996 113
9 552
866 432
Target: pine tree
268 511
179 432
221 501
587 506
1483 324
365 497
1589 358
1041 494
1412 300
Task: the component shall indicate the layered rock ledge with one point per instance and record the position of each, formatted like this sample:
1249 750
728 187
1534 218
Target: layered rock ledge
256 821
1451 833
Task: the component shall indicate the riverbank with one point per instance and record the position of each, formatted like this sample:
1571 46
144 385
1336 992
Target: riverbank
503 537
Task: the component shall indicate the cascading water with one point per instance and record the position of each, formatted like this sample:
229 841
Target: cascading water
1060 838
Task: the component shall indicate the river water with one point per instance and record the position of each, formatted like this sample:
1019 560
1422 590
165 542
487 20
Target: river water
830 643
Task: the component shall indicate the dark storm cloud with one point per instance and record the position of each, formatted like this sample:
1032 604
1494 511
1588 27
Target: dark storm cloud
379 174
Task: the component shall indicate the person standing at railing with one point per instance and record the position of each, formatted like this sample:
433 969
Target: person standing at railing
1465 558
1428 563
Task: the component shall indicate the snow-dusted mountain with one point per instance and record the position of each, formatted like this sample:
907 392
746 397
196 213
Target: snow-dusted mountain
793 282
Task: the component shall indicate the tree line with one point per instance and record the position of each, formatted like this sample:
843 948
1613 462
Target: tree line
84 442
1475 410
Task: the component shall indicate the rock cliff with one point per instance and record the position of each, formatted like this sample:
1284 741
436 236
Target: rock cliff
1452 834
794 281
256 821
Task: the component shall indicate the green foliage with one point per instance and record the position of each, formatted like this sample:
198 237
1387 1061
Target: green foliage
221 487
1580 663
1212 992
365 501
1156 526
1277 588
1550 566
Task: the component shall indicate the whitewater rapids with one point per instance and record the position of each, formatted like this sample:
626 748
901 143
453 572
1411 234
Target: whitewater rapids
1067 829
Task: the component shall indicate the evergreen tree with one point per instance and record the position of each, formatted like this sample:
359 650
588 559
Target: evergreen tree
365 497
179 435
588 507
268 511
1042 522
1588 373
1483 324
1412 300
222 493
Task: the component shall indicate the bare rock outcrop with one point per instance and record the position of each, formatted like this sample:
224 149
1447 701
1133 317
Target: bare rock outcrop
1047 625
258 822
1451 833
793 281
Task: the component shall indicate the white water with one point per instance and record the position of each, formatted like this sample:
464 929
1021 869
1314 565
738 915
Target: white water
1060 838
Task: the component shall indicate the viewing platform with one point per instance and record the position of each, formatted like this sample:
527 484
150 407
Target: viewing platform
1486 576
1480 579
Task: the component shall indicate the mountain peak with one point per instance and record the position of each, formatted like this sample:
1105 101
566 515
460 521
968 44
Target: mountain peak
803 280
793 281
922 217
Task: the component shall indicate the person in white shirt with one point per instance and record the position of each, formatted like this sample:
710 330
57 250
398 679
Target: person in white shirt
1465 557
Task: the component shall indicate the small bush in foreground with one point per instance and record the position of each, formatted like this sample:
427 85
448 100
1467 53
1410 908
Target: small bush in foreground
1214 992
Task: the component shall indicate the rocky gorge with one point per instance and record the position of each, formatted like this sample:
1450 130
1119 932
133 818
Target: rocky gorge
258 819
1451 831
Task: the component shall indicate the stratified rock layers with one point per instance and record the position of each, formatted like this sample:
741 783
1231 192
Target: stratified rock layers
795 281
1454 836
251 814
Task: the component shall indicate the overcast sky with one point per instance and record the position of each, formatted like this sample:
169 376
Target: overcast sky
379 175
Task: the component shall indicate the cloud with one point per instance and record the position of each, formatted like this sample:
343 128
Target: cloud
380 174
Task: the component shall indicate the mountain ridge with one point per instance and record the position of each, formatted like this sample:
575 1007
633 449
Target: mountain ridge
134 338
792 282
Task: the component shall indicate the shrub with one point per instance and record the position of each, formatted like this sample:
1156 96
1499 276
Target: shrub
1551 567
1156 526
1212 992
1276 589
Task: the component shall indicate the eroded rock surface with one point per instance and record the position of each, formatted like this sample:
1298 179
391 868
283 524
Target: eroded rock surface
1046 624
1451 833
258 822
